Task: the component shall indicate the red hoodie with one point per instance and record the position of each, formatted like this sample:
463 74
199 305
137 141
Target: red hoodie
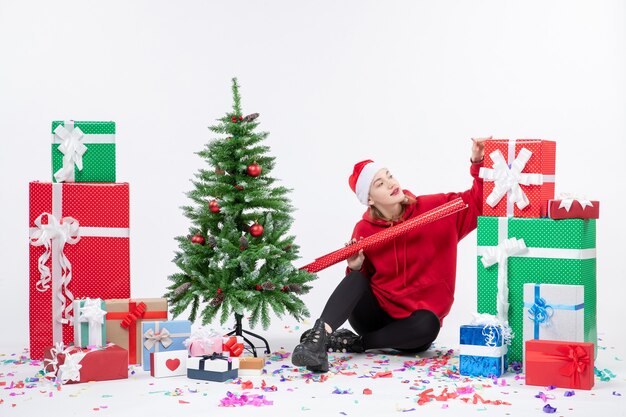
418 270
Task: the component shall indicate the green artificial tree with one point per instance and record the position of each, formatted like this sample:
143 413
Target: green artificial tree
237 258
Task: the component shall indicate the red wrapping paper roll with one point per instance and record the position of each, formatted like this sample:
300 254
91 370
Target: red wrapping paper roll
386 235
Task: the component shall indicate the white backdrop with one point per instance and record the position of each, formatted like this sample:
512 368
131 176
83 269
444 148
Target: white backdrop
402 82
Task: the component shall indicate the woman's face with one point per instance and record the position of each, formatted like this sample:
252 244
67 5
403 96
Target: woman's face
385 189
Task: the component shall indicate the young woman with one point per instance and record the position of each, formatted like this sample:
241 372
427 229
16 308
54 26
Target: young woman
396 295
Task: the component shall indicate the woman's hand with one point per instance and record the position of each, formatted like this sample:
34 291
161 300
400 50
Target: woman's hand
478 149
355 262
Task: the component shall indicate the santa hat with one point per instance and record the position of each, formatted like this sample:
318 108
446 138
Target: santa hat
362 177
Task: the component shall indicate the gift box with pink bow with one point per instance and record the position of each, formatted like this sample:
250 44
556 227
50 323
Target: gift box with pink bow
204 341
569 206
163 336
560 364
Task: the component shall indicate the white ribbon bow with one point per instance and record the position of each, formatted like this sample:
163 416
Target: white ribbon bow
509 178
152 338
568 199
92 313
493 326
73 149
64 231
500 255
70 369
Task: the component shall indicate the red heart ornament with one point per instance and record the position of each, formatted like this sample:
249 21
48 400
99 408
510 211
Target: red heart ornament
172 364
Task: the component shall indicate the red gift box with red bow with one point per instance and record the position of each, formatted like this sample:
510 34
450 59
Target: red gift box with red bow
561 364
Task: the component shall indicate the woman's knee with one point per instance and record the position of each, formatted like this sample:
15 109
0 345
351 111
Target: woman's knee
426 326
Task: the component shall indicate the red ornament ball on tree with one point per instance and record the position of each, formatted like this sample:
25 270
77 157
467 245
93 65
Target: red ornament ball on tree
254 170
233 119
197 240
256 230
258 287
214 206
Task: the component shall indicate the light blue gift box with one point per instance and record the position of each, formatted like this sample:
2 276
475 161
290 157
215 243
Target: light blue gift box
554 312
482 351
162 336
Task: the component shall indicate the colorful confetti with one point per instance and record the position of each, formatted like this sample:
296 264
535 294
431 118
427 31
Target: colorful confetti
233 400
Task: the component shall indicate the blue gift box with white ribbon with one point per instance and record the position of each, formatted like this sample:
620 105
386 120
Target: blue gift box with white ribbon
163 336
554 312
483 351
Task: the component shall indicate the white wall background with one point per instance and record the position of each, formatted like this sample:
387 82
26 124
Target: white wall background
402 82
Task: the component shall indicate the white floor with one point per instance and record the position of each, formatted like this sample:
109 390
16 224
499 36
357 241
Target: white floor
395 385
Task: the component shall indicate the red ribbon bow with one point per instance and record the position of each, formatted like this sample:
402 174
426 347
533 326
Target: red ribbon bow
232 346
577 361
133 316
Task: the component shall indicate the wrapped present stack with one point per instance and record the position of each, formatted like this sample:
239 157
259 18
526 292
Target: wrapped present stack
81 311
79 239
536 254
79 254
213 357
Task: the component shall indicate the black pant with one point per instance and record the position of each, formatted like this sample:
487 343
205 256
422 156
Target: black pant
354 301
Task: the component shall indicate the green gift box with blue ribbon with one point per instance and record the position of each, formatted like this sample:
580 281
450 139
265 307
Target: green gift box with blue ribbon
83 151
553 252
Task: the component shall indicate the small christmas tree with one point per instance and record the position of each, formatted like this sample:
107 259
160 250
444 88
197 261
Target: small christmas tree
237 256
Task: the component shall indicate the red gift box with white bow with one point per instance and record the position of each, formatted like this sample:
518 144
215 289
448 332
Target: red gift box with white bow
518 177
573 207
79 248
73 365
561 364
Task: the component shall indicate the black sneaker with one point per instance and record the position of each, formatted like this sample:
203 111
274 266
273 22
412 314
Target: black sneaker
311 352
341 340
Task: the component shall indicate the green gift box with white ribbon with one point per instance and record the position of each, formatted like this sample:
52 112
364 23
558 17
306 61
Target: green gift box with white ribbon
90 322
83 151
516 251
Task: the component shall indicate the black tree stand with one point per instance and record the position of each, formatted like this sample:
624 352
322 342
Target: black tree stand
239 331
